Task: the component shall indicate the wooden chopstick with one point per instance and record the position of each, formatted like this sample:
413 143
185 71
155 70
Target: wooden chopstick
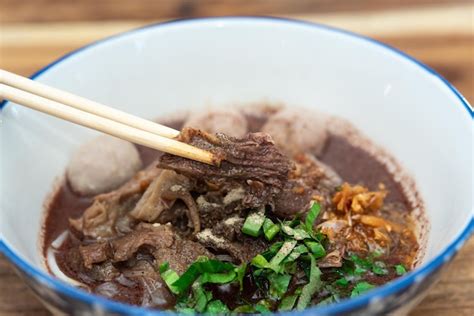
105 125
84 104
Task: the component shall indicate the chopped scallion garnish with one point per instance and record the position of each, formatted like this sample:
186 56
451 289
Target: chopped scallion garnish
360 288
284 251
316 248
400 269
379 268
313 285
311 217
216 307
278 284
253 223
287 303
270 229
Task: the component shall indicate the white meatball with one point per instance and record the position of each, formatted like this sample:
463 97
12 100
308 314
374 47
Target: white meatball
297 130
102 164
229 122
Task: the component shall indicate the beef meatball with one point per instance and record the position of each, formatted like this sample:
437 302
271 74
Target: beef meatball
102 164
227 121
295 131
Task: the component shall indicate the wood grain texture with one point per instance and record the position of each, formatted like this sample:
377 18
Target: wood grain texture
94 10
27 46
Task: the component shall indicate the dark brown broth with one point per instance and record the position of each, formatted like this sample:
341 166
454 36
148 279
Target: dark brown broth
357 166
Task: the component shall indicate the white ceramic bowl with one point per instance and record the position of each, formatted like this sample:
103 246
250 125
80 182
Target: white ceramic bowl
399 103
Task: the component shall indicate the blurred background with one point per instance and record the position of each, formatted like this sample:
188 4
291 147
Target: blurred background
440 33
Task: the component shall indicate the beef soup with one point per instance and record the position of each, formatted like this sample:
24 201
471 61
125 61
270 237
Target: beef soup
299 212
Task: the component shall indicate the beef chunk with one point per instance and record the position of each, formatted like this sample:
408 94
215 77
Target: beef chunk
163 243
96 252
308 181
230 200
227 237
294 199
253 157
152 237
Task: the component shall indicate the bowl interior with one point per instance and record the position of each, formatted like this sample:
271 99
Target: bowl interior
169 69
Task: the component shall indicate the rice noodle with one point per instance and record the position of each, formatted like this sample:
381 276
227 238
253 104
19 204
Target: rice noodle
52 264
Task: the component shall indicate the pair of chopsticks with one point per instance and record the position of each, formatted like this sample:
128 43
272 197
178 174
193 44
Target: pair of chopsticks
82 111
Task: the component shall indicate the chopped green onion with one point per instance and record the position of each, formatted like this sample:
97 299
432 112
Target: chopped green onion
186 311
259 261
316 248
311 287
296 233
164 266
278 284
311 217
293 223
331 299
297 251
219 278
377 253
217 307
287 229
361 262
202 297
400 269
290 267
201 266
379 268
253 223
342 282
270 229
169 276
287 303
187 278
244 309
300 234
240 271
359 271
360 288
272 250
284 251
263 307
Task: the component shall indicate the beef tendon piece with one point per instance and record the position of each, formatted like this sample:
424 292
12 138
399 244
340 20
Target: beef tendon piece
101 219
162 194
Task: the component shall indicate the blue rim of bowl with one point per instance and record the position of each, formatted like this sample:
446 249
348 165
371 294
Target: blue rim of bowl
389 289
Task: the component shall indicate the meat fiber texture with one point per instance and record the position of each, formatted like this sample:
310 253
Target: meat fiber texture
102 164
251 158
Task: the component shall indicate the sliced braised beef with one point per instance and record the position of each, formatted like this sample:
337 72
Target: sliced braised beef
253 157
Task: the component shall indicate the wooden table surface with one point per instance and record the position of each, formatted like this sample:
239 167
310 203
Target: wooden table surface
438 32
